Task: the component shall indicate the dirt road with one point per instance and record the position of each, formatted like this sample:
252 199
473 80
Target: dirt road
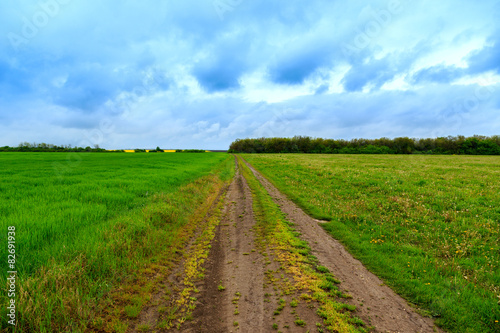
233 272
236 296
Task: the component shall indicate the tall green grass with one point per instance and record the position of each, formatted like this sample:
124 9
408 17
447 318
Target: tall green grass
428 225
84 222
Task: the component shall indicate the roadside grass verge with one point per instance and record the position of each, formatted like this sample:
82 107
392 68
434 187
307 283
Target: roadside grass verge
125 224
182 305
310 281
429 226
119 309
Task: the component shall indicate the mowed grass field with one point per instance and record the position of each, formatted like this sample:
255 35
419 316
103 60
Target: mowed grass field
429 226
86 222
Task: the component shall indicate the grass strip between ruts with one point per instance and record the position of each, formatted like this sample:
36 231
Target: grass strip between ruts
311 281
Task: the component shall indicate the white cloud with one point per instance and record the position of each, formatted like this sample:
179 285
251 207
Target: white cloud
174 72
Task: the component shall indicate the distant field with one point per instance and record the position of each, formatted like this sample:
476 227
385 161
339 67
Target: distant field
428 225
83 221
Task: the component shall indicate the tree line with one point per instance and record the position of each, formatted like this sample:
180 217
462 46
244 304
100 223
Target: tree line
190 151
459 145
45 147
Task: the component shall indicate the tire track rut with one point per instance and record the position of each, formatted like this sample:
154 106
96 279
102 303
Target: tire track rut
377 304
234 265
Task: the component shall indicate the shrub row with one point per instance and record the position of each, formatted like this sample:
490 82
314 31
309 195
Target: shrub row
44 147
475 145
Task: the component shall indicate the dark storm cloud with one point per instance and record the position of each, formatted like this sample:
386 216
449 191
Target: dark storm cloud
487 59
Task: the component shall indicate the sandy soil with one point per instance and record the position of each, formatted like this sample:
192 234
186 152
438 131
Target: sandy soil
236 264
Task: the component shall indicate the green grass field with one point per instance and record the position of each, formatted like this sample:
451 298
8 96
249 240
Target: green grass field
85 221
428 225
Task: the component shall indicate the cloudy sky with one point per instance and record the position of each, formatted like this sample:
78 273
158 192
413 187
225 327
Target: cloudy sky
201 73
